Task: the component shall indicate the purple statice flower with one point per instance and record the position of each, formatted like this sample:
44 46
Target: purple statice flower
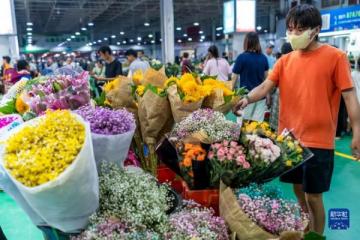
213 123
107 121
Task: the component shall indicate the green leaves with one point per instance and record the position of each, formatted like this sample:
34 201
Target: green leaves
100 101
9 107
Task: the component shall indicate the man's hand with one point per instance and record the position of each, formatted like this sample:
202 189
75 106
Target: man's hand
240 106
355 144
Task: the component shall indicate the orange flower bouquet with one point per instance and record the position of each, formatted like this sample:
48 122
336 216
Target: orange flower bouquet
193 166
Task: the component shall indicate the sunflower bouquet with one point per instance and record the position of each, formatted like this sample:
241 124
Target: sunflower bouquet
186 95
222 98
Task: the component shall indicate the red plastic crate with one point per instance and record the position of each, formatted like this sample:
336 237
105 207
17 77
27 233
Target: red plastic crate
207 198
166 175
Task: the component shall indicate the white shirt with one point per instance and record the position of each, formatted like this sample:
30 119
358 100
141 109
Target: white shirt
218 67
356 79
139 64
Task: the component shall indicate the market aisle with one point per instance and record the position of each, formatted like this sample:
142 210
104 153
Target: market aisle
17 225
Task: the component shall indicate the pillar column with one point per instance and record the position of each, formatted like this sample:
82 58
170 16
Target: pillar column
167 31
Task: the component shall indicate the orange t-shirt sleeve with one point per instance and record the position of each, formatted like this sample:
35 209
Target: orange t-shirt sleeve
342 74
274 74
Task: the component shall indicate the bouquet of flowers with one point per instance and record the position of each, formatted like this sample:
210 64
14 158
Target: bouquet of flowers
134 196
265 206
156 64
58 92
172 70
228 163
186 95
50 161
112 132
207 126
118 94
221 98
193 166
195 222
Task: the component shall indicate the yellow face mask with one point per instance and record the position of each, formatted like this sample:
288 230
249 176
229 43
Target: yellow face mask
302 41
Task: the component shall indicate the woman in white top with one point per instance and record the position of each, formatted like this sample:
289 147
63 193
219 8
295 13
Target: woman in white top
216 66
356 78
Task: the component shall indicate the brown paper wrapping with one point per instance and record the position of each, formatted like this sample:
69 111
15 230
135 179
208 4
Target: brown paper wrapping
237 220
179 109
120 96
216 102
155 78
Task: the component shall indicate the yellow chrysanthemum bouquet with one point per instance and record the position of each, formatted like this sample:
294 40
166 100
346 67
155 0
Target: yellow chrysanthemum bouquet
118 94
153 111
50 160
221 98
186 95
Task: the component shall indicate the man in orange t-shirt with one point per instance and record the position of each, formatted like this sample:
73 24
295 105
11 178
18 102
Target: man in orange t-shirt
311 80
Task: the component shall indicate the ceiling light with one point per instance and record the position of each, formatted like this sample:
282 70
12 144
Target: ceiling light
94 42
131 40
122 33
258 28
219 28
139 38
196 24
150 35
90 44
29 29
77 33
189 39
218 34
29 24
152 41
179 41
63 52
160 39
29 34
72 36
113 36
118 43
68 39
201 40
185 35
201 32
105 38
124 42
202 37
90 24
139 44
265 31
178 29
146 24
99 41
83 29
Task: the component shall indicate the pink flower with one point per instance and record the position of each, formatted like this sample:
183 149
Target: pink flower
229 156
240 159
232 151
225 143
246 165
211 155
233 144
217 145
220 153
221 158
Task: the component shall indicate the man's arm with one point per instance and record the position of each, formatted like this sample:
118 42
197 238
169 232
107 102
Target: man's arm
255 95
353 108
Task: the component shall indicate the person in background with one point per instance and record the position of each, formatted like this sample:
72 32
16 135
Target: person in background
274 112
225 56
252 66
309 104
356 78
186 65
113 67
141 56
135 62
177 60
69 62
269 55
23 71
50 65
99 69
5 69
216 66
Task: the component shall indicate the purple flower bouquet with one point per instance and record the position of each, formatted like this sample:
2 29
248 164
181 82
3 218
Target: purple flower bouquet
112 132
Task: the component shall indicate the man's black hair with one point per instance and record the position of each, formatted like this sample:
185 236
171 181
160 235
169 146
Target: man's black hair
131 52
7 58
142 51
186 55
286 48
304 16
105 49
22 65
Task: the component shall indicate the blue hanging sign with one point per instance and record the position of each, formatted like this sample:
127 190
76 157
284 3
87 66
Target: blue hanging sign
341 19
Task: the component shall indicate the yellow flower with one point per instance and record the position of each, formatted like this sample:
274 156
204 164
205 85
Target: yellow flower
187 77
160 90
111 85
288 163
41 152
138 77
171 81
291 145
140 90
190 99
299 150
280 138
21 106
